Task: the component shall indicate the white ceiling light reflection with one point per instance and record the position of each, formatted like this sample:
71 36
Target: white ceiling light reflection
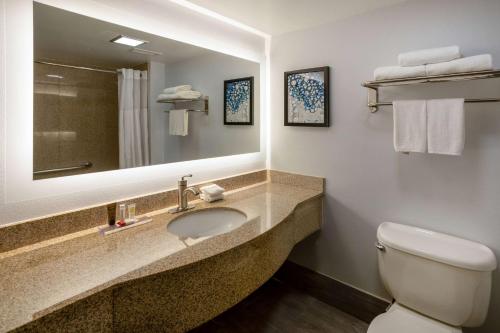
127 41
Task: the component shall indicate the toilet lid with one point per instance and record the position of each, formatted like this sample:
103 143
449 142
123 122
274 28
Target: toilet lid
400 319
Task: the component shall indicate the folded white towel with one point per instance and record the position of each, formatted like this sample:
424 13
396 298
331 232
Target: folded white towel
445 126
481 62
173 90
410 126
212 189
188 94
210 198
429 56
397 72
178 122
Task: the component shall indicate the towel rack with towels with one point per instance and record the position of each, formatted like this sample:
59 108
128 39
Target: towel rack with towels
203 99
373 86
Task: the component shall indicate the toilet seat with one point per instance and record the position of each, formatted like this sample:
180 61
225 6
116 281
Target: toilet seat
400 319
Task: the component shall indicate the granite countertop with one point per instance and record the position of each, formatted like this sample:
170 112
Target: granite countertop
43 277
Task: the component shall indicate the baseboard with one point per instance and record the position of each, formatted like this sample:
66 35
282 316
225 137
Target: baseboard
346 298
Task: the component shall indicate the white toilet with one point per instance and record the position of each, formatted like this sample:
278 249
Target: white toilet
440 283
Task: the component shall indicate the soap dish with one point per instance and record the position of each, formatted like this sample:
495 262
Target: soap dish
111 229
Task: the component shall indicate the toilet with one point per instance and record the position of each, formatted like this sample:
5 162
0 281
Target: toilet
439 283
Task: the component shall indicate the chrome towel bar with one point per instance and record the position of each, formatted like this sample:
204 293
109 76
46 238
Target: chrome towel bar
203 99
373 86
471 100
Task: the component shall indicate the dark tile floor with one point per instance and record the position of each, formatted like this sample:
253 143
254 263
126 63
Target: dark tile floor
276 307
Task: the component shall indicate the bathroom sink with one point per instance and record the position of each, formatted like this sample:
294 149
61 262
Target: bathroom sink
206 222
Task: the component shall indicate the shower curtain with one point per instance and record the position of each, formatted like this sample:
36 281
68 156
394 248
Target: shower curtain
133 118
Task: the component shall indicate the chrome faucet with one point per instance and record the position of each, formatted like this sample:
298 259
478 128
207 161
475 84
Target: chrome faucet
182 203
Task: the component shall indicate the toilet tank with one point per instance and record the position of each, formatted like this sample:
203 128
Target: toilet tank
441 276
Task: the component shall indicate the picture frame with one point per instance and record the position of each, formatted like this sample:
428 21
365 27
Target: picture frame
238 101
306 99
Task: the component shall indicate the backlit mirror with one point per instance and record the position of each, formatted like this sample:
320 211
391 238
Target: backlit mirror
108 97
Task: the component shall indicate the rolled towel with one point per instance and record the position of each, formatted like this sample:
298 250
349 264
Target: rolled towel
212 189
188 94
446 126
397 72
477 63
429 56
410 126
173 90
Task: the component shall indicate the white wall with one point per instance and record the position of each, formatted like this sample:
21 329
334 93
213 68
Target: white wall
208 136
157 118
367 182
22 198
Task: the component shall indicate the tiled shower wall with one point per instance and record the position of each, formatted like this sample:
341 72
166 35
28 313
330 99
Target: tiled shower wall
75 119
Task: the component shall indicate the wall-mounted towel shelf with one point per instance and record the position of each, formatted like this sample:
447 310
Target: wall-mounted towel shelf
184 102
373 86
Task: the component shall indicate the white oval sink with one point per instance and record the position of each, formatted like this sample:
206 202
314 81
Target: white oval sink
206 222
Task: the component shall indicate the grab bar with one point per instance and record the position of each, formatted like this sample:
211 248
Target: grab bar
83 165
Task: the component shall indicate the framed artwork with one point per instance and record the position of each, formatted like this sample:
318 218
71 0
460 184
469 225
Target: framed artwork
238 101
306 97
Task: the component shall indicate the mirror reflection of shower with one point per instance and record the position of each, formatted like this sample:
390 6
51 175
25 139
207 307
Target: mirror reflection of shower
75 112
89 119
96 98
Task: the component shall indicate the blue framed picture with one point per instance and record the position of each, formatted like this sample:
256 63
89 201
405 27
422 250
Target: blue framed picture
238 101
306 97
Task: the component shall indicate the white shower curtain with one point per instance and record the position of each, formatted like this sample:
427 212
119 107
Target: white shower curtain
133 118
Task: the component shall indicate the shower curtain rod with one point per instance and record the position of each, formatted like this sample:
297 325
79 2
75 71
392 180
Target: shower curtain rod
77 67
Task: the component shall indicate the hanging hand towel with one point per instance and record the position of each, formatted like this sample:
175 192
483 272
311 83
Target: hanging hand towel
445 126
178 122
397 72
429 56
477 63
173 90
410 126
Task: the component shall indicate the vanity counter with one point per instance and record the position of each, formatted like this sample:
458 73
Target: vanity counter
44 278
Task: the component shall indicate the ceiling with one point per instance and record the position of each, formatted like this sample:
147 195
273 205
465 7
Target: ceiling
73 39
276 17
69 38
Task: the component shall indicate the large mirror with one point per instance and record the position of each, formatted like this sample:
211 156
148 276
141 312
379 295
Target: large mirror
108 97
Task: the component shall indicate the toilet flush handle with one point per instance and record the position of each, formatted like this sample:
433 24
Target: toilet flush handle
380 247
